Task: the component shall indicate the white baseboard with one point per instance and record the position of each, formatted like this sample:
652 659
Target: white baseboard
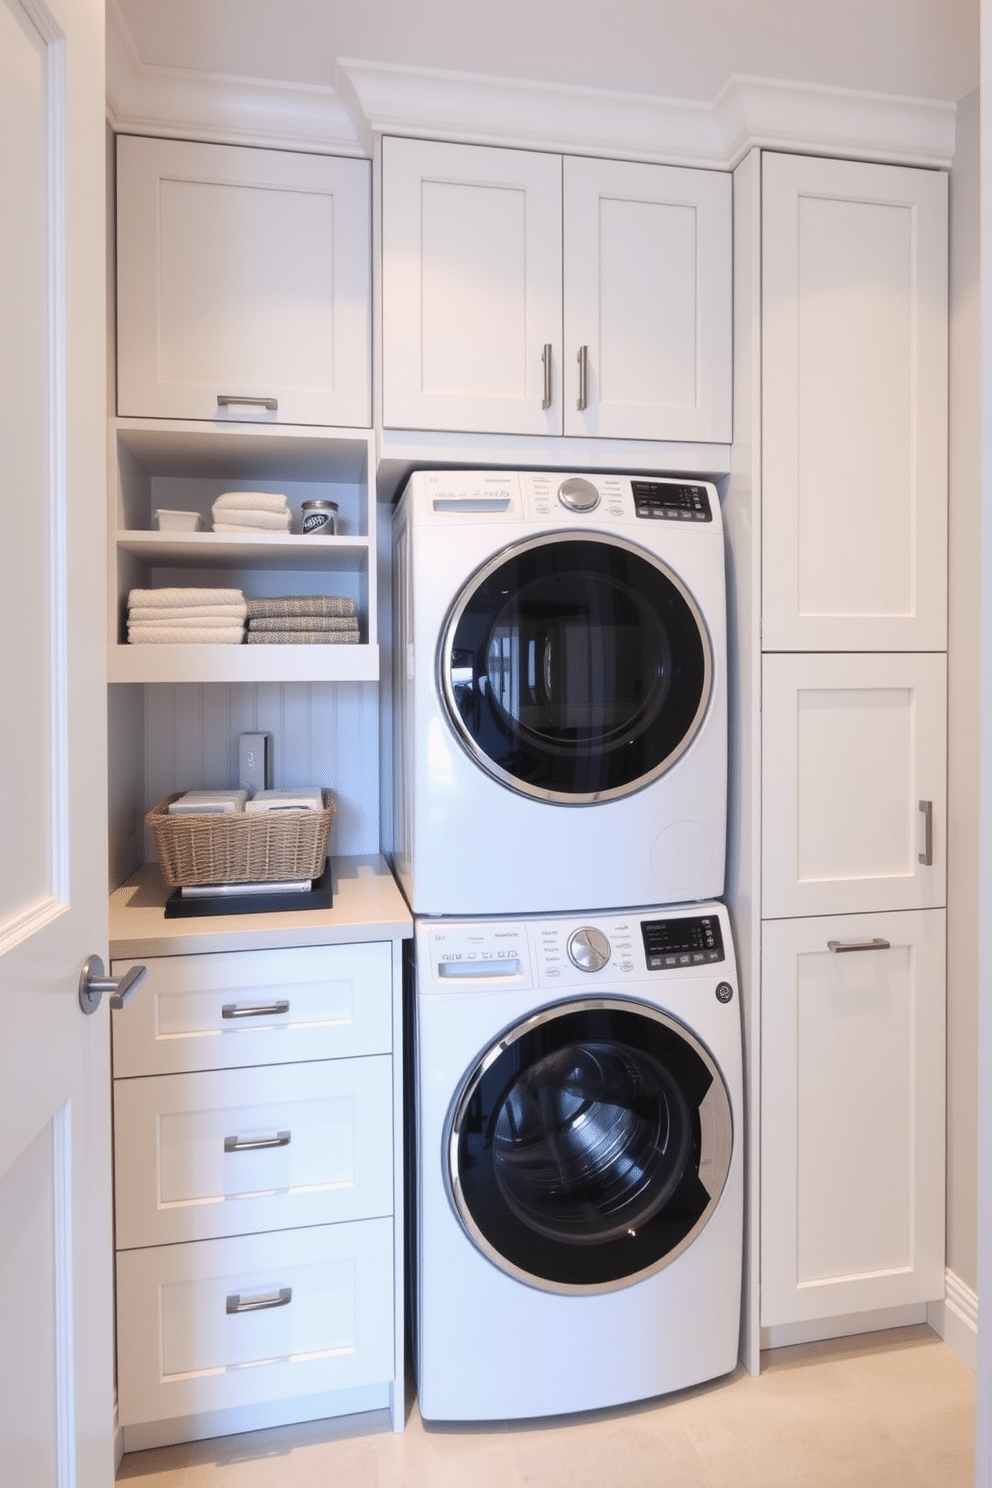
955 1319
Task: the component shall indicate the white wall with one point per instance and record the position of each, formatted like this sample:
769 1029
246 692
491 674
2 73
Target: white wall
963 704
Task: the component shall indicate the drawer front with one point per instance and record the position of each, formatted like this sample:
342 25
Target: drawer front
260 1007
229 1152
227 1323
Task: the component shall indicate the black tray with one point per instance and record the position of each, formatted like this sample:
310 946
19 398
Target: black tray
268 901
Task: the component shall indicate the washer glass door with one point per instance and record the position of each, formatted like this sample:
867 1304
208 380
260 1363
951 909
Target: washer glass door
576 669
590 1145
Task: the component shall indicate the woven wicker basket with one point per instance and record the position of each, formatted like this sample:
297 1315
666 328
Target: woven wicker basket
242 846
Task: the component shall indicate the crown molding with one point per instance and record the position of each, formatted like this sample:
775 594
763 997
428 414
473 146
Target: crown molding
370 98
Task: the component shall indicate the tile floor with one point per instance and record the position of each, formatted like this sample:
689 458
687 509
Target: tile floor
884 1410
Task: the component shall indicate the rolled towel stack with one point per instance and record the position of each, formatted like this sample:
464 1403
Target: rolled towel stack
212 617
303 620
252 511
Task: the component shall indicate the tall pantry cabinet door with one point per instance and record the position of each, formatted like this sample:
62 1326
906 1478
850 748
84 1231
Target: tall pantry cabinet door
852 1130
648 276
854 387
243 284
854 788
471 288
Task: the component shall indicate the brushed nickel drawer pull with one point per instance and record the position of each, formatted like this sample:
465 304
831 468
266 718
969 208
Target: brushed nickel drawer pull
225 400
253 1009
255 1144
261 1303
840 946
926 856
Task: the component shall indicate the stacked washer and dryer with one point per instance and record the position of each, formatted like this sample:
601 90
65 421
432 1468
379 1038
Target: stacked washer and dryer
560 711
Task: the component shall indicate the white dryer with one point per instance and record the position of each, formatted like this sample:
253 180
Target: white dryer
560 698
577 1171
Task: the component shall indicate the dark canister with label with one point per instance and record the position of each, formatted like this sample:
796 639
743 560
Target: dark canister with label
320 518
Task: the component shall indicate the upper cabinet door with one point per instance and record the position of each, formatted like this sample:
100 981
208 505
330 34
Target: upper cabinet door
647 303
471 288
243 284
854 440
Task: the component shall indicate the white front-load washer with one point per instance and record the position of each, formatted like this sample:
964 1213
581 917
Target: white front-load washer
560 698
577 1167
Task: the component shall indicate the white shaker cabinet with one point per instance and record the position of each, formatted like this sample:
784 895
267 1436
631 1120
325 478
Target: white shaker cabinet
526 293
243 284
852 1115
257 1121
854 768
854 406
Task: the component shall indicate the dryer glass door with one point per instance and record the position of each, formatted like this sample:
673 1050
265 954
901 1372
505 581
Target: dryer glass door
576 670
590 1145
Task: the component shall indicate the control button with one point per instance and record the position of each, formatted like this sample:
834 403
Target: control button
578 495
588 949
724 992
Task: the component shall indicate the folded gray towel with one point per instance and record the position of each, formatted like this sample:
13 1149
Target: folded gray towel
302 637
313 622
300 604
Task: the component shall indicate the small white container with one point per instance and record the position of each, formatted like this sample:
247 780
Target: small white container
178 521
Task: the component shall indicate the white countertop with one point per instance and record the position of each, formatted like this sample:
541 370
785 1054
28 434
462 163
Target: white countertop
367 906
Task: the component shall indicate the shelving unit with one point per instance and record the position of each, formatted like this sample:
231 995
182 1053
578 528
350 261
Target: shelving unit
184 464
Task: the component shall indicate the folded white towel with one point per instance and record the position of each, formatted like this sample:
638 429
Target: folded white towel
286 800
186 635
162 614
209 803
179 620
175 599
234 519
267 501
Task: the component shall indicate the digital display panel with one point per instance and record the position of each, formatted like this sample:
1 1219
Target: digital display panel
671 501
683 942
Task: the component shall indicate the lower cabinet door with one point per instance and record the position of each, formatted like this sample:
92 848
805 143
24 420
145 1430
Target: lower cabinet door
852 1114
225 1323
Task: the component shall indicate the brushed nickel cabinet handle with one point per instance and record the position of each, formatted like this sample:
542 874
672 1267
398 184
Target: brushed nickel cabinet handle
926 856
261 1303
546 361
840 946
253 1009
225 400
256 1144
583 360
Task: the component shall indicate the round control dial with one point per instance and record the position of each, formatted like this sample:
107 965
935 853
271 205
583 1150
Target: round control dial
578 494
588 949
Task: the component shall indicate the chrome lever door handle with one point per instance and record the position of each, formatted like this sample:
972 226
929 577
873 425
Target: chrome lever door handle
93 983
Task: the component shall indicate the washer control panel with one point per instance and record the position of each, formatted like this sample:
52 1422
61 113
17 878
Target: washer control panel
571 952
671 945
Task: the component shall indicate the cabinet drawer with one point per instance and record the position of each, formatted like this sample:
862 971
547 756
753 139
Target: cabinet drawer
264 1007
316 1316
227 1152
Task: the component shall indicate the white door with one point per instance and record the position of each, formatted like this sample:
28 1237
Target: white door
647 335
56 1302
854 391
852 1114
471 288
854 752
